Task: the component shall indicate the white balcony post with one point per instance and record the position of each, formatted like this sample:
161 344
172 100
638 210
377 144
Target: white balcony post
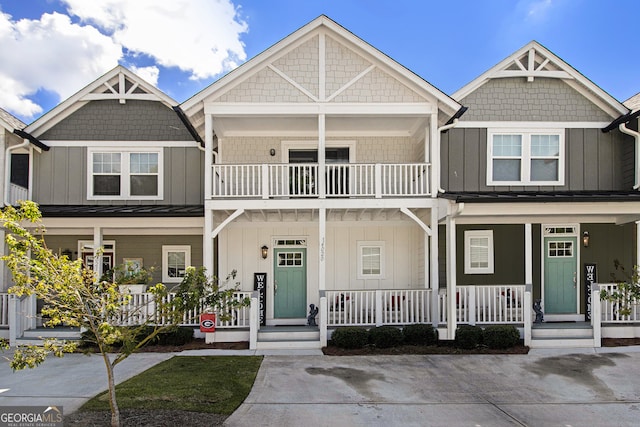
377 176
596 315
97 251
14 322
322 237
320 180
208 156
434 154
264 169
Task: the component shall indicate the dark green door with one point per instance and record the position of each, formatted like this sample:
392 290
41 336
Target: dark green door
560 278
290 273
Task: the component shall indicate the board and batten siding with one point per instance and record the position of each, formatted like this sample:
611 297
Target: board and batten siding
239 247
594 161
147 247
60 177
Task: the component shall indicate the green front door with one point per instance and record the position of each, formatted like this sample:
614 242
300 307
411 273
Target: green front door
290 273
560 280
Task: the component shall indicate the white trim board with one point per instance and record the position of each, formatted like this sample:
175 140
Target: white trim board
532 125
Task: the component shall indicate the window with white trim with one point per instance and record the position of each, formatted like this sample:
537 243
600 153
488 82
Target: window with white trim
370 260
124 174
478 252
525 157
175 260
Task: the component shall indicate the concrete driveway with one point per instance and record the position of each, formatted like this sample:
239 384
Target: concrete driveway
588 389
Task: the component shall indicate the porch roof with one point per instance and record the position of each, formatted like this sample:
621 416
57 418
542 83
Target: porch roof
59 211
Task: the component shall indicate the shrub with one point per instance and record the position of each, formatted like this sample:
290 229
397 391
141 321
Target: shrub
175 336
385 336
501 336
420 334
350 337
468 336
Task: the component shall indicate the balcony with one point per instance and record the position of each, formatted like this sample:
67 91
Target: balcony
301 180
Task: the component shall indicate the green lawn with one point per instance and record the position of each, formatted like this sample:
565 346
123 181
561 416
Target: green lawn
215 384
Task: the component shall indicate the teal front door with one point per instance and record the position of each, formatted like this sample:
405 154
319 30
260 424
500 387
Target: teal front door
290 275
560 275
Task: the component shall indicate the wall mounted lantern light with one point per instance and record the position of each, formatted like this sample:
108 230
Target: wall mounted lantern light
585 239
264 250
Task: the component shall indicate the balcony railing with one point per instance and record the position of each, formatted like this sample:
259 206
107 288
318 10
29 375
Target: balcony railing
266 181
16 193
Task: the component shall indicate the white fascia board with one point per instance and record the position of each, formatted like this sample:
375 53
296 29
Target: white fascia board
132 145
160 231
532 125
312 109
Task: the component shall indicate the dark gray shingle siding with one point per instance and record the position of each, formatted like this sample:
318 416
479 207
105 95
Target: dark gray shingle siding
111 121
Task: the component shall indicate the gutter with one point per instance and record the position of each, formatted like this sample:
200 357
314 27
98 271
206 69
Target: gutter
636 136
32 139
185 121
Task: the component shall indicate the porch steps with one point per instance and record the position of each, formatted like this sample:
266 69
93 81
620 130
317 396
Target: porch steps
288 337
562 335
36 336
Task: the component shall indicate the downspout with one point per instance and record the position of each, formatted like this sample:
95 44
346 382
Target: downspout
7 169
445 128
636 136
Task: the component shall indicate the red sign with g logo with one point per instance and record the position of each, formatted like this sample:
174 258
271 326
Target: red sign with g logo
207 322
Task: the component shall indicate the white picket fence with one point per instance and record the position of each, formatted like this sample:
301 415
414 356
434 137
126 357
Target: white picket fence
610 310
378 307
141 309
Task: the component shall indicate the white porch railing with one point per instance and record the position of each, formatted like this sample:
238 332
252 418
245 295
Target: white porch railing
610 310
16 193
489 304
378 307
4 309
301 180
142 309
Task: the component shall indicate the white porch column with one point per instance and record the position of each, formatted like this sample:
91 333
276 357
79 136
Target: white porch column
97 251
322 237
322 143
207 232
434 273
452 323
434 153
528 255
207 248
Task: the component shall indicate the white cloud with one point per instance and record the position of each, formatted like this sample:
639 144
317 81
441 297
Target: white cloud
201 37
51 53
149 74
538 9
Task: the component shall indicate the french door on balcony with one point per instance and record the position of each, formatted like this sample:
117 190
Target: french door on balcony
302 173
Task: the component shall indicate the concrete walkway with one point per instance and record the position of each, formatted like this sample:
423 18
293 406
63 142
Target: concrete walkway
595 387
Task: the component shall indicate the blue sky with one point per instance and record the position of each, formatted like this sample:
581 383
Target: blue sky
53 48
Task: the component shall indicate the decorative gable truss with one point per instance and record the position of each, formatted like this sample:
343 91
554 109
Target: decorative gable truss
531 64
119 83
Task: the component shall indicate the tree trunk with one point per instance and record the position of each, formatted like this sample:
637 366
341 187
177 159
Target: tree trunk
115 412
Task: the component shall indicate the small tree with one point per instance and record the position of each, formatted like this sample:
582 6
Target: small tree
72 295
627 292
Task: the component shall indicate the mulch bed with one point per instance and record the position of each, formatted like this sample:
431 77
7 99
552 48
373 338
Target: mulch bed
420 349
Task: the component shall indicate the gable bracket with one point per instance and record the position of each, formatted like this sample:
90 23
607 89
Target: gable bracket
292 82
